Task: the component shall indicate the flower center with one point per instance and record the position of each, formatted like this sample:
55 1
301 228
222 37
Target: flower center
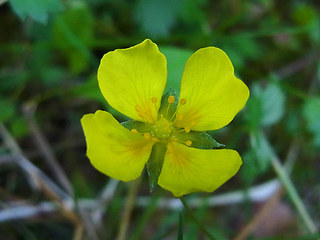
162 128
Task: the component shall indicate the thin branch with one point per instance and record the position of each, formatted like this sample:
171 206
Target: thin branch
298 65
273 200
256 193
37 177
124 224
259 193
264 211
45 149
104 198
41 182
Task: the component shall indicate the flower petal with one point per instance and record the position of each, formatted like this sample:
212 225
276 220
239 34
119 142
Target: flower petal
213 95
186 170
132 80
113 149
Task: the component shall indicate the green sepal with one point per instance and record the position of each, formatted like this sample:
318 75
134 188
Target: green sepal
155 162
200 140
141 127
165 110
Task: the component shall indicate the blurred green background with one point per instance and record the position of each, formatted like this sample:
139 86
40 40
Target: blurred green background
49 55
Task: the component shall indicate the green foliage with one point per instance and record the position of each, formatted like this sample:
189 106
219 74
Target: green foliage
311 113
7 109
266 105
155 162
241 48
150 13
262 150
19 127
73 35
89 90
176 59
37 10
180 229
158 18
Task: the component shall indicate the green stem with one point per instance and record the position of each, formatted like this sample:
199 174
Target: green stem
292 192
295 198
205 231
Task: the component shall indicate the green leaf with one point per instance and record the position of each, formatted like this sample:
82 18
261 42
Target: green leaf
73 36
241 47
311 113
176 58
19 127
304 14
155 17
262 150
266 106
155 162
89 90
37 10
141 127
7 109
166 109
200 140
273 101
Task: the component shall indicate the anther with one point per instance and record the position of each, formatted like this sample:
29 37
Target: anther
154 99
188 143
187 129
138 109
171 99
134 130
183 101
147 135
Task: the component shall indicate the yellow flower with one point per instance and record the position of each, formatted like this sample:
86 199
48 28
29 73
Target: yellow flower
164 133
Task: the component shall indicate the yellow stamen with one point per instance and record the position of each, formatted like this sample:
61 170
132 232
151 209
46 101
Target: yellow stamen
179 118
187 129
138 108
188 143
183 101
154 99
171 99
134 130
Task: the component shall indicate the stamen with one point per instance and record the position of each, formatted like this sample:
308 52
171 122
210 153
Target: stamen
134 130
171 99
183 101
188 143
187 129
138 108
154 99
